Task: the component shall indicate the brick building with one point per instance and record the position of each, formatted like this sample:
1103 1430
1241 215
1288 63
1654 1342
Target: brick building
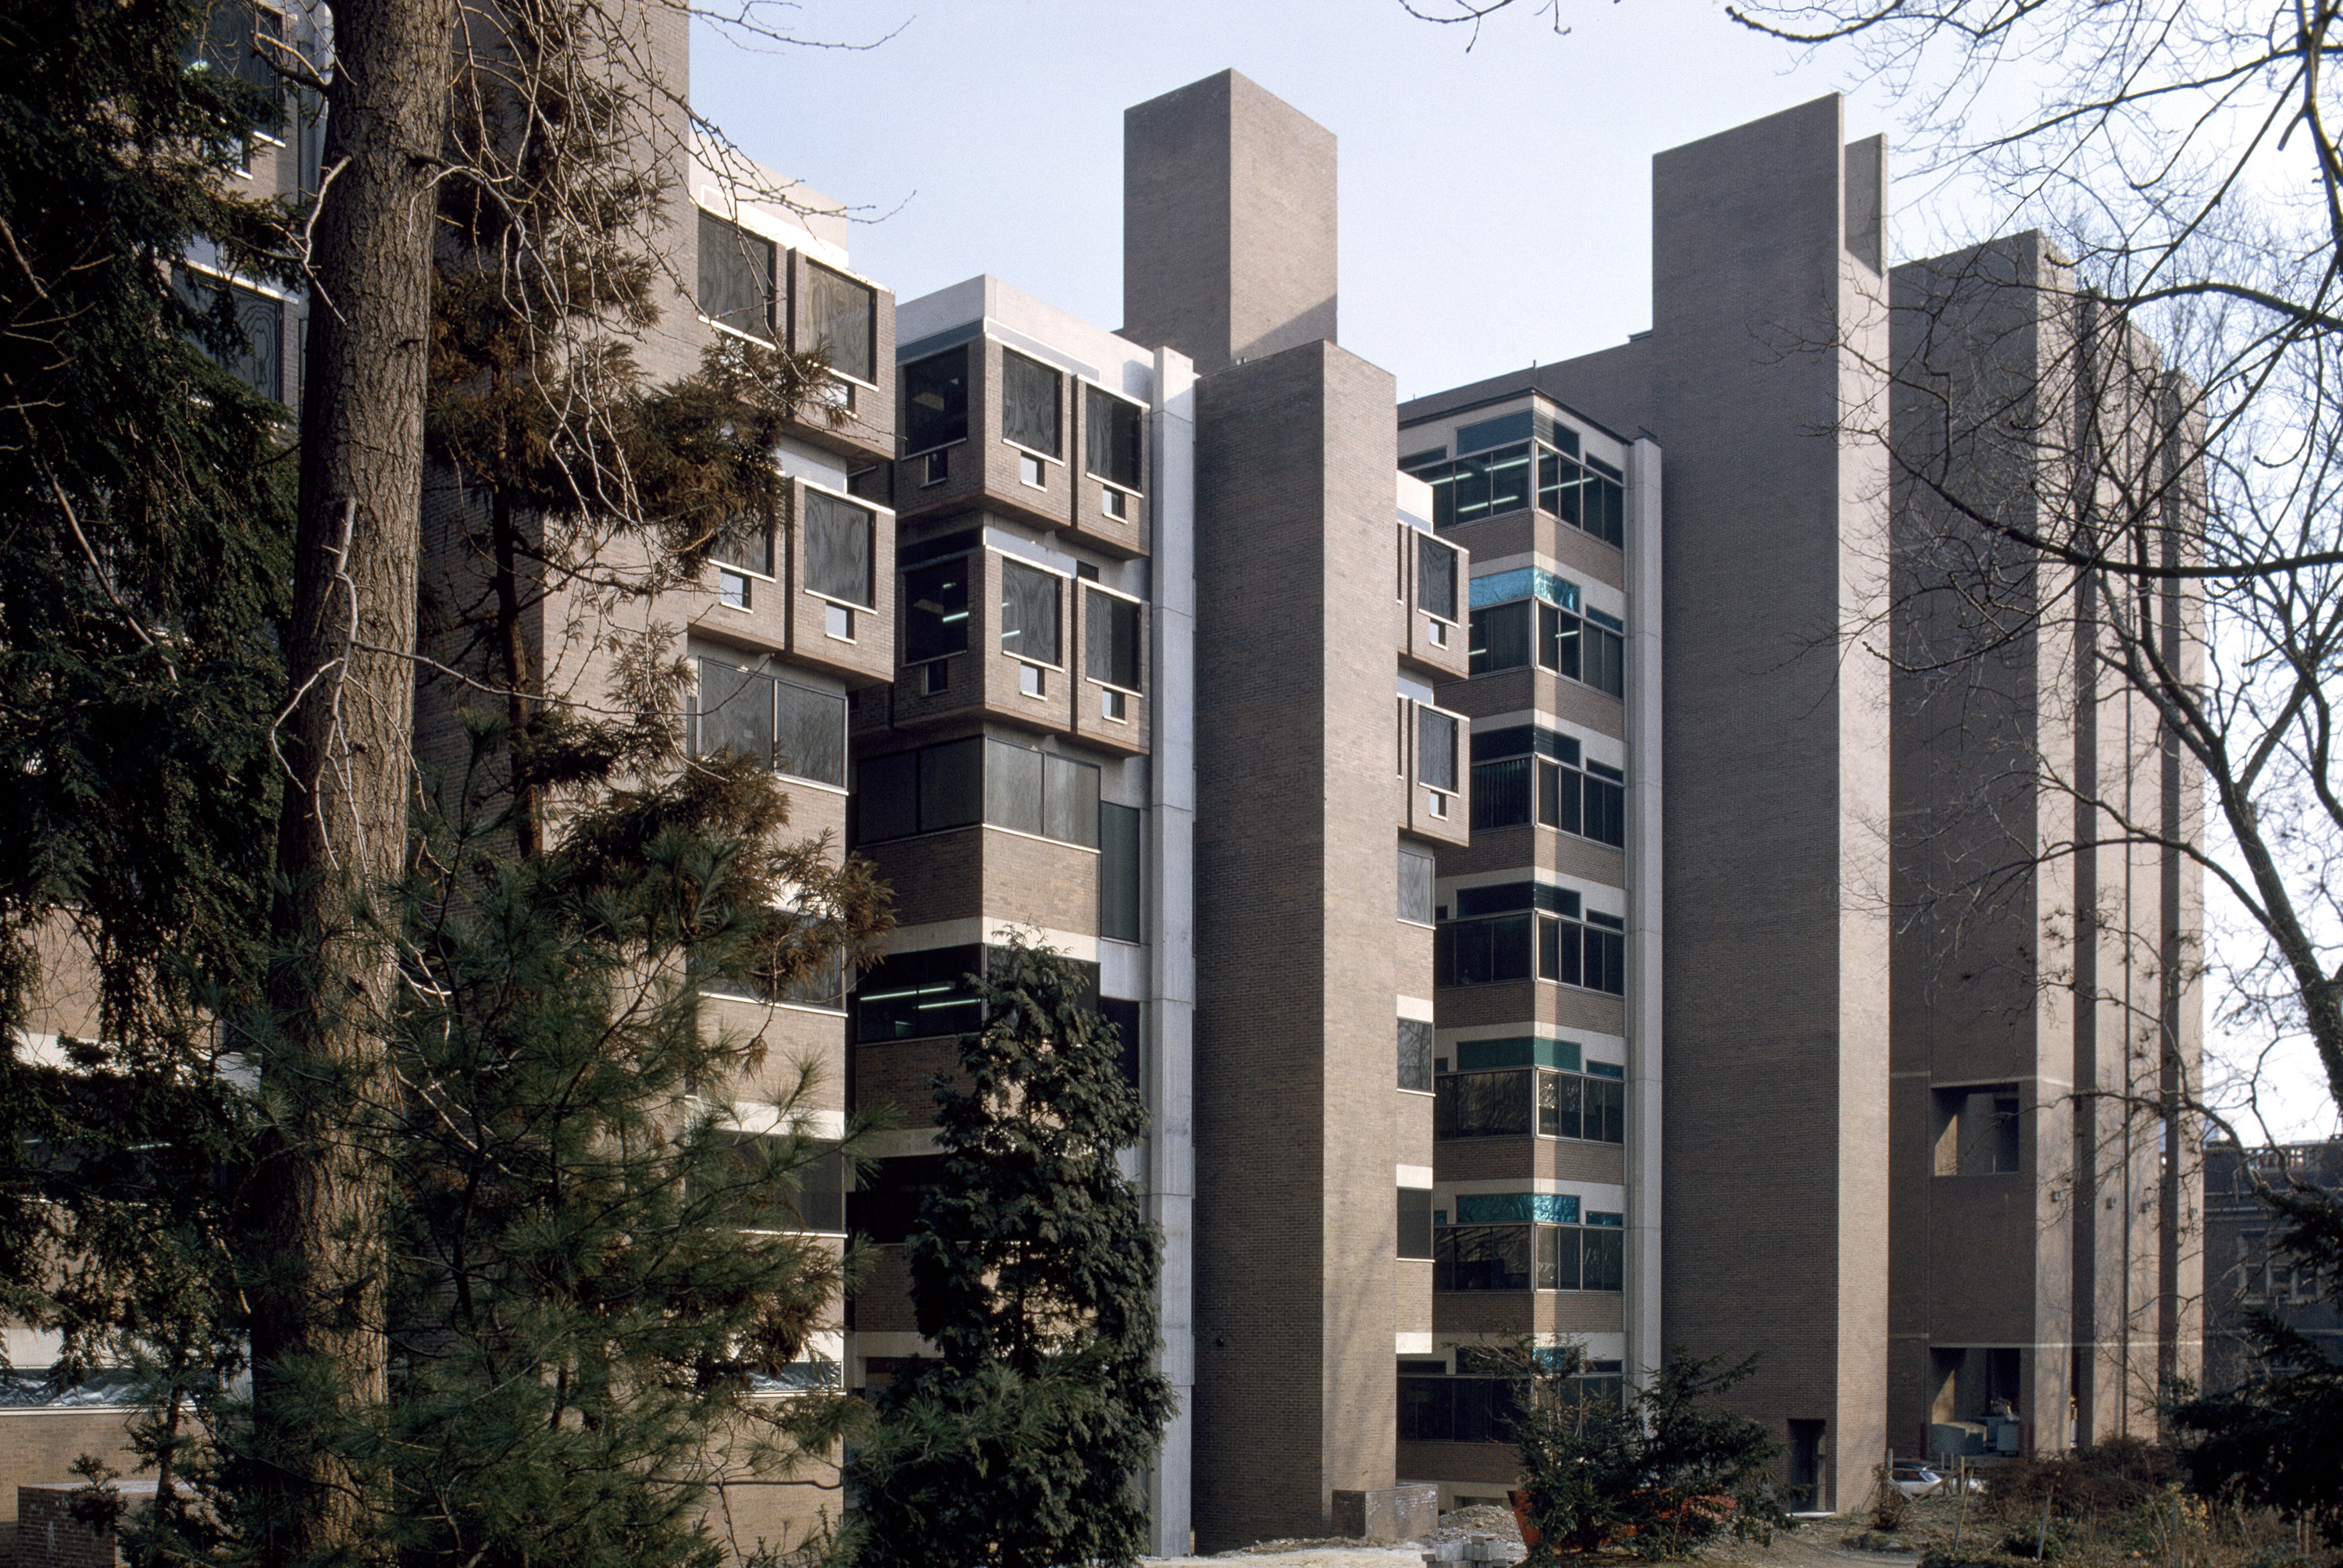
1080 631
2242 1273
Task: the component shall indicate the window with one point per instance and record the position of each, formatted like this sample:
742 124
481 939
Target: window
1029 612
1111 638
1592 1108
1118 848
1978 1130
884 1206
736 277
963 782
838 548
231 46
1490 942
1435 748
1123 1017
935 401
1482 1105
935 610
1415 1055
841 316
1415 886
1415 1221
1111 446
1525 1256
1435 577
1499 638
790 729
1528 773
908 996
811 1198
1589 496
251 325
745 544
1029 403
1578 648
1456 1409
1481 1257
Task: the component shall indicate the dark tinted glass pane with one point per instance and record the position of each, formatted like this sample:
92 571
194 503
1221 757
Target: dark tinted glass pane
231 46
1415 1057
809 733
838 536
1509 480
1119 842
1111 447
1500 793
1029 612
1568 1266
1501 636
736 713
911 995
1483 1104
1070 800
736 277
1607 511
251 325
1561 1104
1606 811
1569 487
1012 787
1606 1260
1606 961
1436 753
1111 639
951 785
1558 951
1483 1258
1435 577
1029 403
1123 1016
744 542
1415 1221
1509 948
1558 798
935 610
935 400
1560 652
1414 887
1607 1110
1469 491
840 317
885 1203
820 1202
1607 661
887 798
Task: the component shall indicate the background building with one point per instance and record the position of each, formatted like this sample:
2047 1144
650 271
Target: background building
2240 1271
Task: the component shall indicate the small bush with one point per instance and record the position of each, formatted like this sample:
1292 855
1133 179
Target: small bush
2036 1545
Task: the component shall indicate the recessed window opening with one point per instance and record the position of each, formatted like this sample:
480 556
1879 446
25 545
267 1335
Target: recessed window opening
1112 446
935 610
841 318
1110 629
935 408
1029 404
840 541
1978 1130
737 287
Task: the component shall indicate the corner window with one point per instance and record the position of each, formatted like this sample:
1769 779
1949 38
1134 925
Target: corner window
963 782
935 401
1111 446
779 724
935 610
1514 930
1528 773
1111 639
1029 403
841 317
1588 648
736 277
838 548
1029 612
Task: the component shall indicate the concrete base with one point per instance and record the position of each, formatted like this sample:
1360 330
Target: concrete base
1388 1512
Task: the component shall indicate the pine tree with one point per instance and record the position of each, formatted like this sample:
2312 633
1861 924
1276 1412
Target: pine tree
1033 1272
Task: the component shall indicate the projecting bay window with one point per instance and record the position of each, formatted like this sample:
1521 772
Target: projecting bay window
743 554
1520 930
1436 763
1589 1107
793 730
1504 462
963 782
842 320
1531 1253
1589 648
1030 599
1031 410
1436 585
837 540
736 277
935 413
1528 773
1111 648
1112 441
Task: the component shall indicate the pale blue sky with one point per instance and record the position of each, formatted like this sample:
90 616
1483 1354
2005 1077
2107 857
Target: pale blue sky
1495 204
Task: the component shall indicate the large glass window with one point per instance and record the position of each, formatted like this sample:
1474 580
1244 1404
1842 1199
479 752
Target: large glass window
1029 611
1435 748
1499 638
935 610
1435 577
1415 1054
736 277
790 729
1119 852
1527 773
912 995
1111 638
231 46
1415 886
1030 404
1481 1257
1482 952
963 782
884 1206
1489 942
251 324
838 548
1457 1409
1578 648
935 401
841 316
1483 1104
1111 449
1589 1257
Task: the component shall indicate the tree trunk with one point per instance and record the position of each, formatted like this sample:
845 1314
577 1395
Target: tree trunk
316 1202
